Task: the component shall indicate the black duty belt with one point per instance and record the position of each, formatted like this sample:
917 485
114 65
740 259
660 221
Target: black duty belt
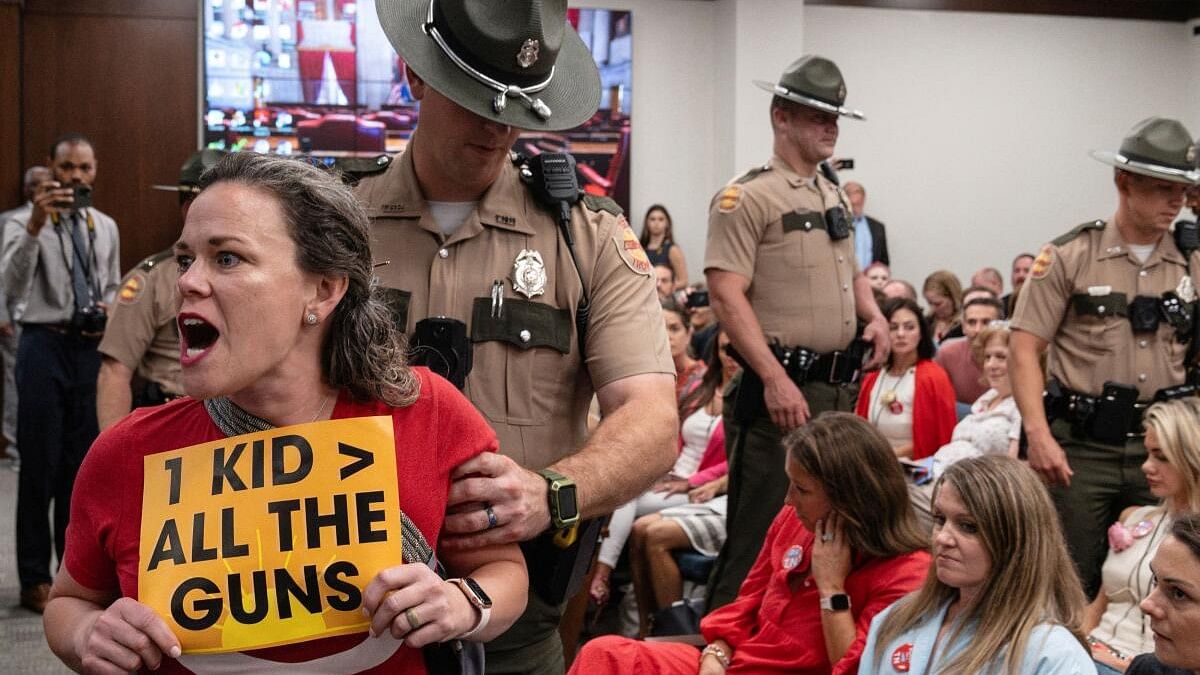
1105 418
805 365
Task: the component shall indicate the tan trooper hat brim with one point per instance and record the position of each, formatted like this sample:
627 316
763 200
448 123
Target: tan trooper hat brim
809 101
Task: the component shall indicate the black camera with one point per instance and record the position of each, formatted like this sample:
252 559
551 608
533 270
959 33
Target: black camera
697 299
1143 314
836 223
81 197
441 344
1178 314
89 320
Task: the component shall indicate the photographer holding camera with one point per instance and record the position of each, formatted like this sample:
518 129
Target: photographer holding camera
63 260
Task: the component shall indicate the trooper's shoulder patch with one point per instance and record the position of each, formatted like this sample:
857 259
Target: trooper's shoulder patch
730 198
599 203
131 291
1078 230
155 260
1043 262
630 249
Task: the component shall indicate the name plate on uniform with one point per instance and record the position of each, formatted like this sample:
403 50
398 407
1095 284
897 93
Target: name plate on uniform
269 538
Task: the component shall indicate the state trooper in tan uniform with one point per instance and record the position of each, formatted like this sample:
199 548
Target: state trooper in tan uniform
786 287
141 336
1115 302
489 289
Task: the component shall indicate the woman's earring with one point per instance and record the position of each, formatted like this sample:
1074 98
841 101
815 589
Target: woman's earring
310 319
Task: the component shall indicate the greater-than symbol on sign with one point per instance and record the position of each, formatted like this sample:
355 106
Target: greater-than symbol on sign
363 459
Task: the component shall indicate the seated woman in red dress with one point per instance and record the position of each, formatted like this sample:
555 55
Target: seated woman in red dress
845 546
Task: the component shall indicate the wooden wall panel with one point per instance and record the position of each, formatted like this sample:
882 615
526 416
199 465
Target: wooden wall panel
128 82
10 106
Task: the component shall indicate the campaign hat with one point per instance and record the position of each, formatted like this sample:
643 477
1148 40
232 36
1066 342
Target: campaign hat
1156 147
515 62
816 82
189 174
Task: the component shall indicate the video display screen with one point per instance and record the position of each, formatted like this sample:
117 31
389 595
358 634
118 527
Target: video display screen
320 77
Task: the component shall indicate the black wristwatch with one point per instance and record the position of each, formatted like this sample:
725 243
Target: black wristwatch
561 494
838 602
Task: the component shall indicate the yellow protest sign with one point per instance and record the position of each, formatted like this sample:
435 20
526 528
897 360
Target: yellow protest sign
269 538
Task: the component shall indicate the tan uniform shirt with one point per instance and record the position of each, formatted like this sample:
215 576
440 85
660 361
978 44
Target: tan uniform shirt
768 226
1091 347
142 334
527 377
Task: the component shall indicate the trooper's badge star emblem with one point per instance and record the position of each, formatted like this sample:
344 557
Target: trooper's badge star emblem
1191 154
529 274
528 54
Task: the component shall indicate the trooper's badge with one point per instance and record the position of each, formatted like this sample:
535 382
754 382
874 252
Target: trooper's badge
529 274
528 54
1186 290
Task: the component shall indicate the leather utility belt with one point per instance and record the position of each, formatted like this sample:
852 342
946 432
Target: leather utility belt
805 365
1145 312
1113 417
802 366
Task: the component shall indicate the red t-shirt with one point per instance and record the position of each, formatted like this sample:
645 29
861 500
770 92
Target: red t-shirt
775 629
433 435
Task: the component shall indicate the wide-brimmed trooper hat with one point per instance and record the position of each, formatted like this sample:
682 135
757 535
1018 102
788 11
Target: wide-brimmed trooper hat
189 174
816 82
515 62
1156 147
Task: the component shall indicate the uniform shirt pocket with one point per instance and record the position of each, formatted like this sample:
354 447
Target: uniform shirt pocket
799 227
533 341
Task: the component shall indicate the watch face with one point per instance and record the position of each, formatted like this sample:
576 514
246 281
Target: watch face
478 591
840 602
568 509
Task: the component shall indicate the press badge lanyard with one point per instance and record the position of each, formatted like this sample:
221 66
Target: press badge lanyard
92 285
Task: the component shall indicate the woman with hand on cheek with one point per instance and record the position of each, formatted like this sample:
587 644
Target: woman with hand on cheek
845 546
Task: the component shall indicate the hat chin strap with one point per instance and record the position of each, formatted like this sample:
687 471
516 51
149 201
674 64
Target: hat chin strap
504 91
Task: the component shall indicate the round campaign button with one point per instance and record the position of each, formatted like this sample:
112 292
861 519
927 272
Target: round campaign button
901 657
792 556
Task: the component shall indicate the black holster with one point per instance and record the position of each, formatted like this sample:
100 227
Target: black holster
556 574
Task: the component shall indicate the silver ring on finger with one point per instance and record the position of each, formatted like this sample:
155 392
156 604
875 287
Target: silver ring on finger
493 521
828 536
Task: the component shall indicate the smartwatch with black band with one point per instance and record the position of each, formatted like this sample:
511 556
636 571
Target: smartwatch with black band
562 497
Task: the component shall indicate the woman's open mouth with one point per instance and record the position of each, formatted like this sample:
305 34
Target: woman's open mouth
196 338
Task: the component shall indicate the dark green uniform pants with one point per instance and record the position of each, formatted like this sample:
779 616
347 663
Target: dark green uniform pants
758 484
532 646
1107 480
